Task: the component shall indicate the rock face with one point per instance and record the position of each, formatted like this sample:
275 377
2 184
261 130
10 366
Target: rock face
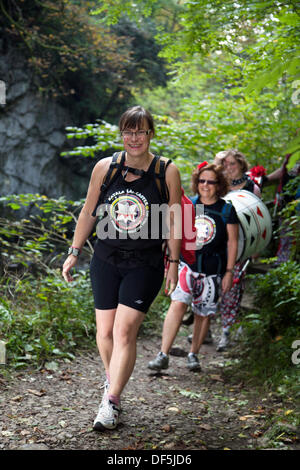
32 136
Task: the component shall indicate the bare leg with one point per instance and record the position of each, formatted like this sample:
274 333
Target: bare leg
105 323
201 326
172 324
123 357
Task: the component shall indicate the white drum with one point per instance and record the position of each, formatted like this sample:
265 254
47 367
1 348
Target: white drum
255 230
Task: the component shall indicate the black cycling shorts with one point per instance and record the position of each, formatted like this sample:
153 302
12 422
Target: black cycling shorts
133 287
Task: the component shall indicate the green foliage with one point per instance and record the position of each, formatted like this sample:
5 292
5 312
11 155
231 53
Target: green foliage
289 216
39 239
219 116
76 58
262 37
233 73
278 295
113 10
265 348
43 318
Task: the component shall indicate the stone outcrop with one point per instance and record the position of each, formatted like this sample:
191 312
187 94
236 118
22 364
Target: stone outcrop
32 136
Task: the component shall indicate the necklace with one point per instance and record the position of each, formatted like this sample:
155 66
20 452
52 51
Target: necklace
239 181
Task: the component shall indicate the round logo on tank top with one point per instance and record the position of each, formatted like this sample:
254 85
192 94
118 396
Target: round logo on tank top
128 210
206 230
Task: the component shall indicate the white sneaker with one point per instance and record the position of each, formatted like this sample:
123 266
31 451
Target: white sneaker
105 387
224 341
107 417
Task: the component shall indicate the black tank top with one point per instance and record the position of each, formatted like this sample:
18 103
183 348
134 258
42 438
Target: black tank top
131 230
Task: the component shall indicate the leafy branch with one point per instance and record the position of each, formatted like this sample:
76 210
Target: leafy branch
41 239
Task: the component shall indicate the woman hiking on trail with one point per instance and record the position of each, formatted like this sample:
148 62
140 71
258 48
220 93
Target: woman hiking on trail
235 166
216 251
127 269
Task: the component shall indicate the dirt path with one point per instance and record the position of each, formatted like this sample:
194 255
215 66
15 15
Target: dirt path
55 409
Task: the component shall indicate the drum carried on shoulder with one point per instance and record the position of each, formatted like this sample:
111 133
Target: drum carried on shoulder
255 231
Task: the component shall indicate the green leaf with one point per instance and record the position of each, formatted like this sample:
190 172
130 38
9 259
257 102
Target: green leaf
14 206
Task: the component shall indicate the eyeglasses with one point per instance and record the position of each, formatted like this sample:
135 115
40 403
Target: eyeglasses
207 181
139 134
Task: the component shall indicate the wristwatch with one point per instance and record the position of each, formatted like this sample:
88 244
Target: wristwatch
73 251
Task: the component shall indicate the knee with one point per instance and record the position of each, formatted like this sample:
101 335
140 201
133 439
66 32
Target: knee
104 335
122 335
178 309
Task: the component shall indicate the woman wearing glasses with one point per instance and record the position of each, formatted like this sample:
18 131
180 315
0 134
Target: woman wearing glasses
127 268
216 250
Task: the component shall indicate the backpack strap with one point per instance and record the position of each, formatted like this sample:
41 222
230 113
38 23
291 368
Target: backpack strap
194 199
160 166
113 172
226 211
117 165
115 168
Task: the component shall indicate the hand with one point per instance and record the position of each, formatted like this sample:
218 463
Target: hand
172 278
68 265
227 282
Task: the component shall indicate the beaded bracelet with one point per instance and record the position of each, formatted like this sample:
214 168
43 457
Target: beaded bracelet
173 260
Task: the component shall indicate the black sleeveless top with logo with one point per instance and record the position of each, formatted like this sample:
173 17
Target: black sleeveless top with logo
131 227
211 251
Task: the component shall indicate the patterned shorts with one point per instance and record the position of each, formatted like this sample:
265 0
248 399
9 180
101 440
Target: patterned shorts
198 290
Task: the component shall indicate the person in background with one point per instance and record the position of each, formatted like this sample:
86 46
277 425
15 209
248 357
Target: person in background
127 270
200 284
288 171
235 167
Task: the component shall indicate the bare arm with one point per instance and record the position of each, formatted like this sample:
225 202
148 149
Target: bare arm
232 247
174 242
257 191
275 175
86 220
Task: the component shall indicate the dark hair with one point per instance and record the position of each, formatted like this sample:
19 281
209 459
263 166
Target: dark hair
223 185
135 117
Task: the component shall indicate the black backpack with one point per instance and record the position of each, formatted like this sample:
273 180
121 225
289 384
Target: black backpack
117 166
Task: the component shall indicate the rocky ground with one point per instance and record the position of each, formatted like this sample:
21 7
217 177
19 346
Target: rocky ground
54 408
